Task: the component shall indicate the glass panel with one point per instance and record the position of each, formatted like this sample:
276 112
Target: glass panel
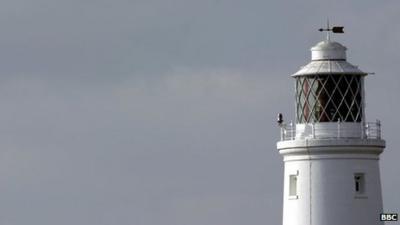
306 106
329 98
292 185
322 99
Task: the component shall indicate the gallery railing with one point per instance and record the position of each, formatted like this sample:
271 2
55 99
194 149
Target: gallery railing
339 130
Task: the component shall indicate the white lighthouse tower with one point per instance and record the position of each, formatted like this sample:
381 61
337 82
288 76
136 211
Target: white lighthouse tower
331 154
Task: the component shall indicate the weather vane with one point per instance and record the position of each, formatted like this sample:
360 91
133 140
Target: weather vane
335 29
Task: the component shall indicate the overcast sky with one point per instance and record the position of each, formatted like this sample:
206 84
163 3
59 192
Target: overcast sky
162 112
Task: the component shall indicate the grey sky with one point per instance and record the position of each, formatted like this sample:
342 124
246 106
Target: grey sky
163 112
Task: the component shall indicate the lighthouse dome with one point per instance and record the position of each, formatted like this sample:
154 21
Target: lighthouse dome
328 57
328 50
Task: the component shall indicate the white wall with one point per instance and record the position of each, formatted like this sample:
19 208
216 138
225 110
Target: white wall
329 197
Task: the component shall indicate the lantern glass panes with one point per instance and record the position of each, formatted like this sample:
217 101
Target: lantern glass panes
329 98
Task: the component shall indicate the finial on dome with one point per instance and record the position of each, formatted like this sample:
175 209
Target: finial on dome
328 34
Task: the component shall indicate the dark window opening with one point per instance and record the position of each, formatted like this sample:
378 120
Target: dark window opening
359 183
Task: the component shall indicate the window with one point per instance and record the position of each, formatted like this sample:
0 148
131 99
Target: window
329 98
359 183
293 186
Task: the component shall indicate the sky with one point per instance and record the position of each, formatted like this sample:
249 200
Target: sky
150 112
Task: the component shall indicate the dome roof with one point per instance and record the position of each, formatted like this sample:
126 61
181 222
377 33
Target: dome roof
326 50
328 45
329 67
328 57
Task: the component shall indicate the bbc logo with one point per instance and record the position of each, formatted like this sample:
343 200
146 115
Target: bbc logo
388 216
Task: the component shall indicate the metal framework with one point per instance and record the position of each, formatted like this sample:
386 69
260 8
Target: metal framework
329 98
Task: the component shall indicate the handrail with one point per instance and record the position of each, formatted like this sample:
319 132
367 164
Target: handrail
369 130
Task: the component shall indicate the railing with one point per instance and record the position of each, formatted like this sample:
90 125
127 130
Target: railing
339 130
373 130
288 131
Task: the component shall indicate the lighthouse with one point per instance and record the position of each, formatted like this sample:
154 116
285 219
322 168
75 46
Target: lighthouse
330 152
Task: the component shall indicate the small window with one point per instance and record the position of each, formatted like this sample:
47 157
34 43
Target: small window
292 185
359 183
